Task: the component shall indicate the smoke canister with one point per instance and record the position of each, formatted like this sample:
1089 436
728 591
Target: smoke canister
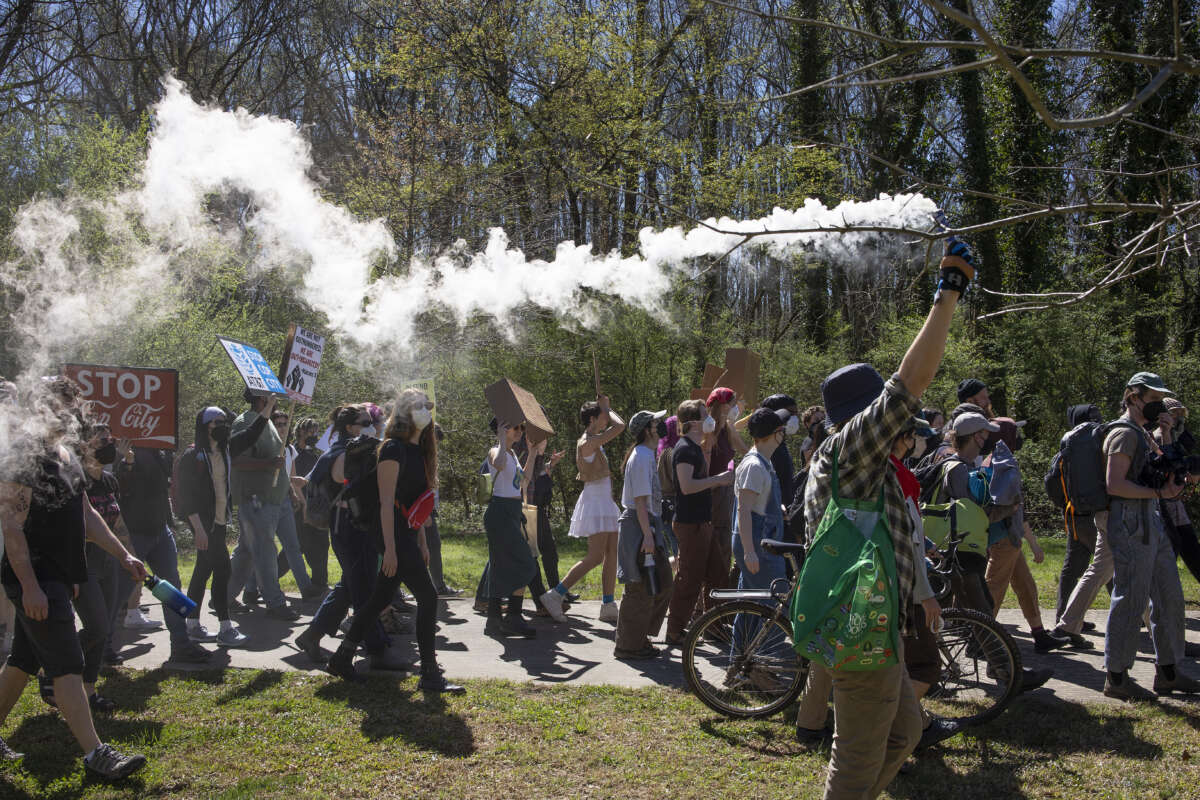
171 597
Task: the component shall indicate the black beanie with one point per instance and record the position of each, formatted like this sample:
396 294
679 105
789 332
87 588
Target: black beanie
969 388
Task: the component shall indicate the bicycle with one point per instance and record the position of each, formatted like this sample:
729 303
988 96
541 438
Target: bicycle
739 660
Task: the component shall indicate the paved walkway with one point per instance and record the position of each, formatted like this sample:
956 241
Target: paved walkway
580 651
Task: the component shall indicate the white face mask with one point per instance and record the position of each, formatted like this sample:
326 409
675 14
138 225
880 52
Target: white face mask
735 411
421 417
709 425
792 427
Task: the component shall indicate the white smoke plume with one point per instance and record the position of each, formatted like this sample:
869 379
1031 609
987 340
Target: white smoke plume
159 231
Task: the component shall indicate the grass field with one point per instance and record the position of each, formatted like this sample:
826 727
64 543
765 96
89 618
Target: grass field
246 734
465 554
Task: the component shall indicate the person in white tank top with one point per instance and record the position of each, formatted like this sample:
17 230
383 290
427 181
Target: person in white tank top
596 514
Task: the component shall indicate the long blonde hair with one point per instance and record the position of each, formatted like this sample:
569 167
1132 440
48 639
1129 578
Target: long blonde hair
400 426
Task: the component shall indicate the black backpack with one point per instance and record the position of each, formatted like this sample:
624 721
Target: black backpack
320 496
930 474
361 488
1076 480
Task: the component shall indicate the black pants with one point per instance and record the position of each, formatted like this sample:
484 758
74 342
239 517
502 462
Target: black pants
433 541
314 546
547 546
1185 545
411 571
1081 546
93 603
212 561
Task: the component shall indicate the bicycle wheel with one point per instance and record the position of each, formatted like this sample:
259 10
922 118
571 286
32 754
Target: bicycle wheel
981 668
738 659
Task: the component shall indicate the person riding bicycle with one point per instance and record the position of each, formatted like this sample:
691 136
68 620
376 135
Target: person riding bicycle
877 715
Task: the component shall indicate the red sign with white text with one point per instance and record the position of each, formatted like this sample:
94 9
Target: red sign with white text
137 403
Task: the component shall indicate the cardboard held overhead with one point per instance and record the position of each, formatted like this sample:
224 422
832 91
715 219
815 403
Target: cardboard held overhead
741 374
514 405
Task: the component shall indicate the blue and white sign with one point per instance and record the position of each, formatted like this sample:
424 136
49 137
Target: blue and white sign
253 368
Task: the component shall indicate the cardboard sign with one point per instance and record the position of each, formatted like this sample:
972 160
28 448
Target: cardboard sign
427 386
514 405
712 375
741 374
252 367
136 403
301 361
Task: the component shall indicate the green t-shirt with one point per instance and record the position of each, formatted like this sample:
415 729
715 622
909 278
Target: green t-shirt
247 483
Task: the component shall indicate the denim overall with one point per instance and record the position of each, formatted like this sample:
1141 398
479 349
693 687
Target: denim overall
762 526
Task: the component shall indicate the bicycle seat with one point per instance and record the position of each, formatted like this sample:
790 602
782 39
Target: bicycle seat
776 547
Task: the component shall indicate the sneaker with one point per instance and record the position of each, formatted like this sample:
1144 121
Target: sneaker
309 643
234 608
341 665
315 592
112 657
249 600
111 765
939 730
283 613
136 620
814 740
1126 689
448 592
608 613
552 601
1033 678
438 683
8 754
1088 627
1181 684
190 653
232 637
199 633
1044 641
480 605
573 598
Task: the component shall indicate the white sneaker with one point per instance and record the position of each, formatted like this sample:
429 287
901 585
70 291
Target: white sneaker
198 633
552 601
608 613
231 637
136 620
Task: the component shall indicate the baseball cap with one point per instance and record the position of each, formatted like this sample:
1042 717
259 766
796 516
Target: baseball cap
641 419
764 422
970 422
721 394
1150 381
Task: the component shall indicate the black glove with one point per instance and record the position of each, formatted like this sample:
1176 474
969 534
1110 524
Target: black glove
957 267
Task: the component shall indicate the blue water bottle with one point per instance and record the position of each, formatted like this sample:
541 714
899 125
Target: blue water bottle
171 597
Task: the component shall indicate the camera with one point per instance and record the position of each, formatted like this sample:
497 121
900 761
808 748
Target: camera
1173 460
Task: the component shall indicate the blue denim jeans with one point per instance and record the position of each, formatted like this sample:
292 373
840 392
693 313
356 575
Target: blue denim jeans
160 555
1143 569
255 552
356 553
286 531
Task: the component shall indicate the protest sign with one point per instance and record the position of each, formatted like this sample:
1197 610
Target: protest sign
426 386
301 361
136 403
514 405
252 367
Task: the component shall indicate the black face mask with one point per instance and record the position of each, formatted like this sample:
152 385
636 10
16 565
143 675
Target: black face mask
660 428
311 441
1151 411
107 454
220 434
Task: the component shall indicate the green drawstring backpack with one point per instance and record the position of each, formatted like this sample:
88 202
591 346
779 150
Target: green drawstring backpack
845 608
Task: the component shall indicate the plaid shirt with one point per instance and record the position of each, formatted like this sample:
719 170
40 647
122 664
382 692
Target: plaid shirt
864 443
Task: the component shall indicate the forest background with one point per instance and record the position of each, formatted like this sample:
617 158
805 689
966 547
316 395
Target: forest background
587 120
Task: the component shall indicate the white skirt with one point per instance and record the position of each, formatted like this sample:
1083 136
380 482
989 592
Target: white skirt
595 511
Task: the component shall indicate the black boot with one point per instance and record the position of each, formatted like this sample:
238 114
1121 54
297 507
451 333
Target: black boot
514 623
341 663
495 619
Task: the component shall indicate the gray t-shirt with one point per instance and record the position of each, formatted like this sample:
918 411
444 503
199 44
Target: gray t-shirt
752 474
641 480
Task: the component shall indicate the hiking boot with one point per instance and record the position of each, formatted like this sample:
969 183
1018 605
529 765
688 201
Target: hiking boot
111 765
609 613
552 601
1044 641
1180 683
341 665
1033 678
190 653
938 730
8 754
1123 688
232 637
309 643
283 613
